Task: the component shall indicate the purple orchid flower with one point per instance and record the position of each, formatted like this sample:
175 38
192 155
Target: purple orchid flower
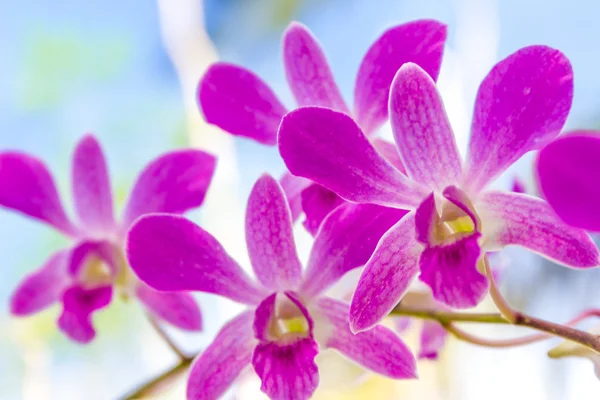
567 172
288 318
240 103
522 104
84 276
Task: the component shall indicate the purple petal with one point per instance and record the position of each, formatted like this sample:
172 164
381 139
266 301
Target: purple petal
433 339
91 187
427 220
177 308
518 186
345 241
78 306
269 236
530 222
420 42
26 186
568 172
389 151
239 102
378 349
307 70
521 105
387 275
170 253
293 186
328 147
42 287
317 203
422 131
173 183
263 316
105 251
221 363
268 309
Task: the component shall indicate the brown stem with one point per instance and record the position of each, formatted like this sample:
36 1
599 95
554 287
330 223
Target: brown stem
166 338
160 382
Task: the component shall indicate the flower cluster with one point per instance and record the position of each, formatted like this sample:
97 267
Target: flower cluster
413 210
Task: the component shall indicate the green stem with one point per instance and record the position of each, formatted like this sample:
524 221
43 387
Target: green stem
160 382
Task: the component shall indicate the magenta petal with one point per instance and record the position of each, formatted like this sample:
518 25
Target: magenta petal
422 131
568 174
420 42
171 253
521 105
173 183
177 308
389 151
346 240
328 147
42 287
91 187
269 236
26 186
103 250
221 363
78 306
433 339
527 221
307 70
378 349
317 203
293 186
387 275
239 102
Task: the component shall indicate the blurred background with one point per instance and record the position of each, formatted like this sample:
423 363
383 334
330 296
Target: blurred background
127 71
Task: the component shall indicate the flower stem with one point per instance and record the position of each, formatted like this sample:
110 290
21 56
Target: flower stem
165 337
160 382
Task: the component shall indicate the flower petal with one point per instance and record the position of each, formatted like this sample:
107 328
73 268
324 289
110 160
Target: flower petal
292 187
221 363
346 240
170 253
104 250
173 183
568 172
521 105
387 275
91 187
269 309
420 42
26 186
328 147
378 349
307 70
422 131
177 308
317 203
519 219
433 339
78 306
42 287
269 236
389 151
239 102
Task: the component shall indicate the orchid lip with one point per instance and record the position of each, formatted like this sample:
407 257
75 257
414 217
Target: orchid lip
288 322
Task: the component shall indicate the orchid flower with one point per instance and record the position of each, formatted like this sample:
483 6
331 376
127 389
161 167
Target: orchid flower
568 171
288 319
84 276
239 102
521 105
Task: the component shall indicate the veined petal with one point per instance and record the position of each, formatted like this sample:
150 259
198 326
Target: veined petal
328 147
293 186
307 70
387 275
269 236
432 340
519 219
239 102
346 240
420 42
422 131
221 363
176 308
42 287
568 171
78 306
26 186
378 349
91 187
171 253
389 151
317 203
521 105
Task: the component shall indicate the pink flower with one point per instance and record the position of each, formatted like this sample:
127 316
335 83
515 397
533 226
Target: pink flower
522 104
84 276
239 102
288 319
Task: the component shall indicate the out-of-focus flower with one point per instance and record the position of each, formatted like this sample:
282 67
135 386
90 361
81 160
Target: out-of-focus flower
518 186
288 318
568 172
522 104
571 349
84 276
239 102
